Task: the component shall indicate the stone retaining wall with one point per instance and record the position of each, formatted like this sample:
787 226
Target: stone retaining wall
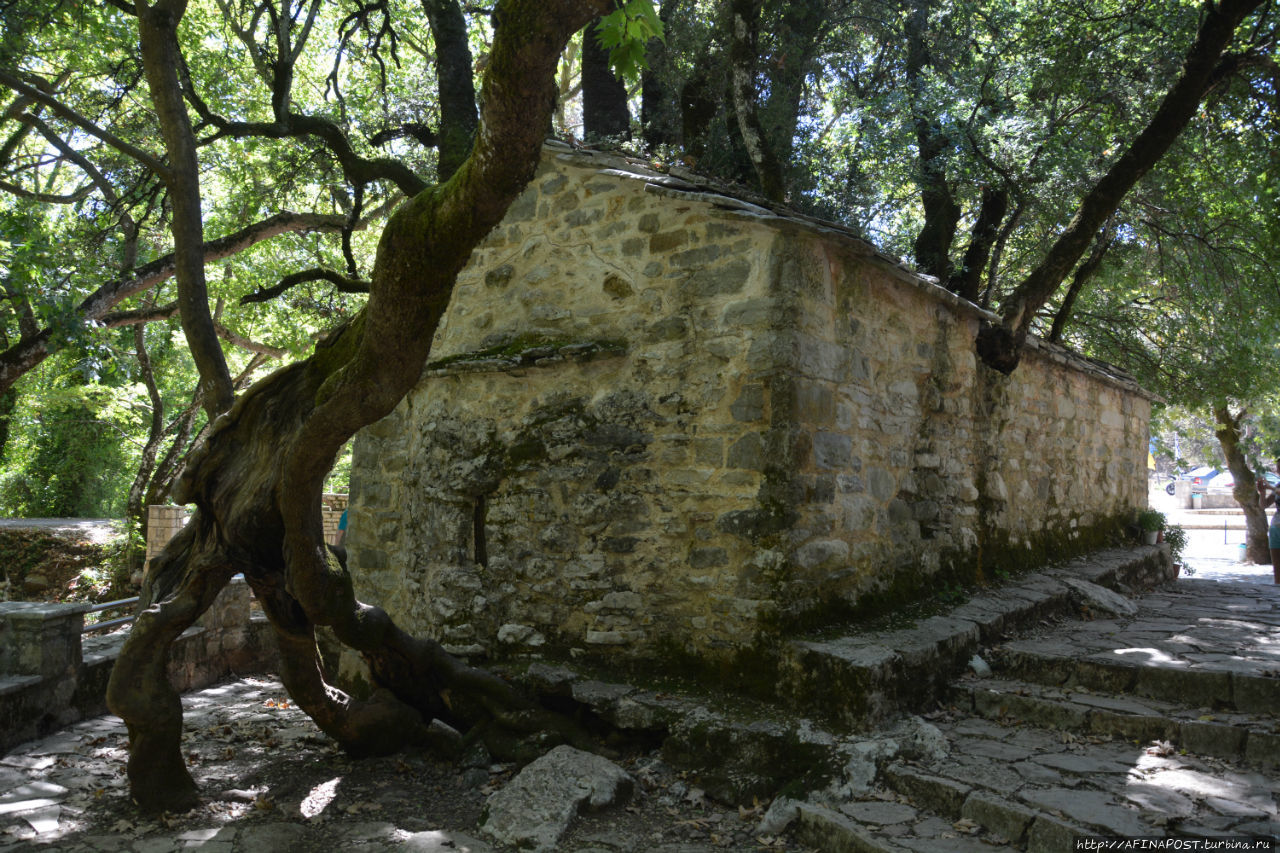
664 419
52 674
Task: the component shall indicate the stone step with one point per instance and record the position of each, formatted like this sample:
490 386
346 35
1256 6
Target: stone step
974 821
863 678
877 826
1250 737
738 750
741 748
1021 788
1194 644
1068 753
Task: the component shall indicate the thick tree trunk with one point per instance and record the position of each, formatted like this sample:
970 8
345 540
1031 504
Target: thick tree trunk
458 117
659 109
8 402
932 246
604 97
801 27
256 482
1245 492
745 16
966 281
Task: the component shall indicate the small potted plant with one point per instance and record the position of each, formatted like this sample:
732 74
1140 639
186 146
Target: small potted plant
1176 538
1150 522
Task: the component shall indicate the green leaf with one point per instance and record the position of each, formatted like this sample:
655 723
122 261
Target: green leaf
625 33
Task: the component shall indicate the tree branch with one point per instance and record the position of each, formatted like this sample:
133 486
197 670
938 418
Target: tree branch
1085 272
33 349
416 130
138 317
337 279
47 198
355 168
244 343
146 158
99 180
162 61
1001 346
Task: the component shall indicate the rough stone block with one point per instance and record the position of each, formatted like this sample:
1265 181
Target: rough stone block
535 809
747 452
824 829
944 796
1253 694
1263 749
1196 688
852 682
832 451
1217 739
1051 835
822 553
1009 820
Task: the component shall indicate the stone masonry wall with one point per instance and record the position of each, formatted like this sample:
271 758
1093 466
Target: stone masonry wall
909 462
660 418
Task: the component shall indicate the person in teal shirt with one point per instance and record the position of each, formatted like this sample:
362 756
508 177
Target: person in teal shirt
1270 496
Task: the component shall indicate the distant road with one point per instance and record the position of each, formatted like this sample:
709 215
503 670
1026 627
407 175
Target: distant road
96 530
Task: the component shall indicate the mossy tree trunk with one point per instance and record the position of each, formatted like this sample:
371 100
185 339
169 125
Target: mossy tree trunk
257 480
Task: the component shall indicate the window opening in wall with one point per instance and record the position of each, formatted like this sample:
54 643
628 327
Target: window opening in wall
481 554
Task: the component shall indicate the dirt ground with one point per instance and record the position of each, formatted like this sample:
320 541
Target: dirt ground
59 563
264 770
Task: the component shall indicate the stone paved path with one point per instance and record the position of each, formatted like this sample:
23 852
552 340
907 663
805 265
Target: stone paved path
1161 722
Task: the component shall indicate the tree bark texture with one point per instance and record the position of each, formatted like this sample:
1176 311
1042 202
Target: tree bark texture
257 479
1000 346
1244 491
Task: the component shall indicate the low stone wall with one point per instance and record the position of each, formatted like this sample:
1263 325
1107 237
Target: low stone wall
51 674
660 419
